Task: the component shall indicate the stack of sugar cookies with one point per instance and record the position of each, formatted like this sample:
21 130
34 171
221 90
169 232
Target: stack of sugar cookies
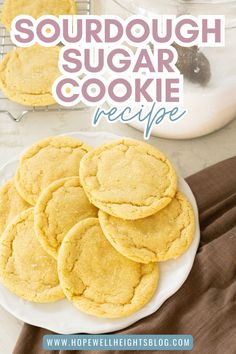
91 225
27 74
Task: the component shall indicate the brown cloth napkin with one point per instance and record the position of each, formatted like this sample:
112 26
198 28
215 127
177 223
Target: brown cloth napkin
205 306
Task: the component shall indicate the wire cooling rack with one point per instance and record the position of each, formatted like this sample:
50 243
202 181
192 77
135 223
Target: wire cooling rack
15 111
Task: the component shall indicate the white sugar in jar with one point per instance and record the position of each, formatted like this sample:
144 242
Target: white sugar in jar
209 96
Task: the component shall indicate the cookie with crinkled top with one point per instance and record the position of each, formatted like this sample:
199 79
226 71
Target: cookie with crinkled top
11 204
25 268
47 161
35 8
162 236
98 279
61 205
27 75
128 179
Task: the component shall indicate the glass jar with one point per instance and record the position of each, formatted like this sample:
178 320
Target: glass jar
211 103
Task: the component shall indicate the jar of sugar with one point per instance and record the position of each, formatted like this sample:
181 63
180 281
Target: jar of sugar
209 73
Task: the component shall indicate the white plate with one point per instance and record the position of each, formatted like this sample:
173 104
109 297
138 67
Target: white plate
62 317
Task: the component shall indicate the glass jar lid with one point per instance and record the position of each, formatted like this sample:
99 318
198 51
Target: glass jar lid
181 7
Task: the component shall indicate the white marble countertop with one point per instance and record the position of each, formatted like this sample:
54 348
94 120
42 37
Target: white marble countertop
188 156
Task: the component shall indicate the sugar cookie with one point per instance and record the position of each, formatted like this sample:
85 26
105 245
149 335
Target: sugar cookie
25 268
27 75
35 8
98 279
47 161
165 235
128 179
11 204
61 205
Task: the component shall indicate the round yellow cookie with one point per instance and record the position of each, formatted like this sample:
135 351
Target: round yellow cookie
35 8
11 204
160 237
27 75
62 205
25 268
47 161
128 179
98 279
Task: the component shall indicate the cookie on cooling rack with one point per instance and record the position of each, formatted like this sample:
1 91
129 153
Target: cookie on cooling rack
35 8
27 75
